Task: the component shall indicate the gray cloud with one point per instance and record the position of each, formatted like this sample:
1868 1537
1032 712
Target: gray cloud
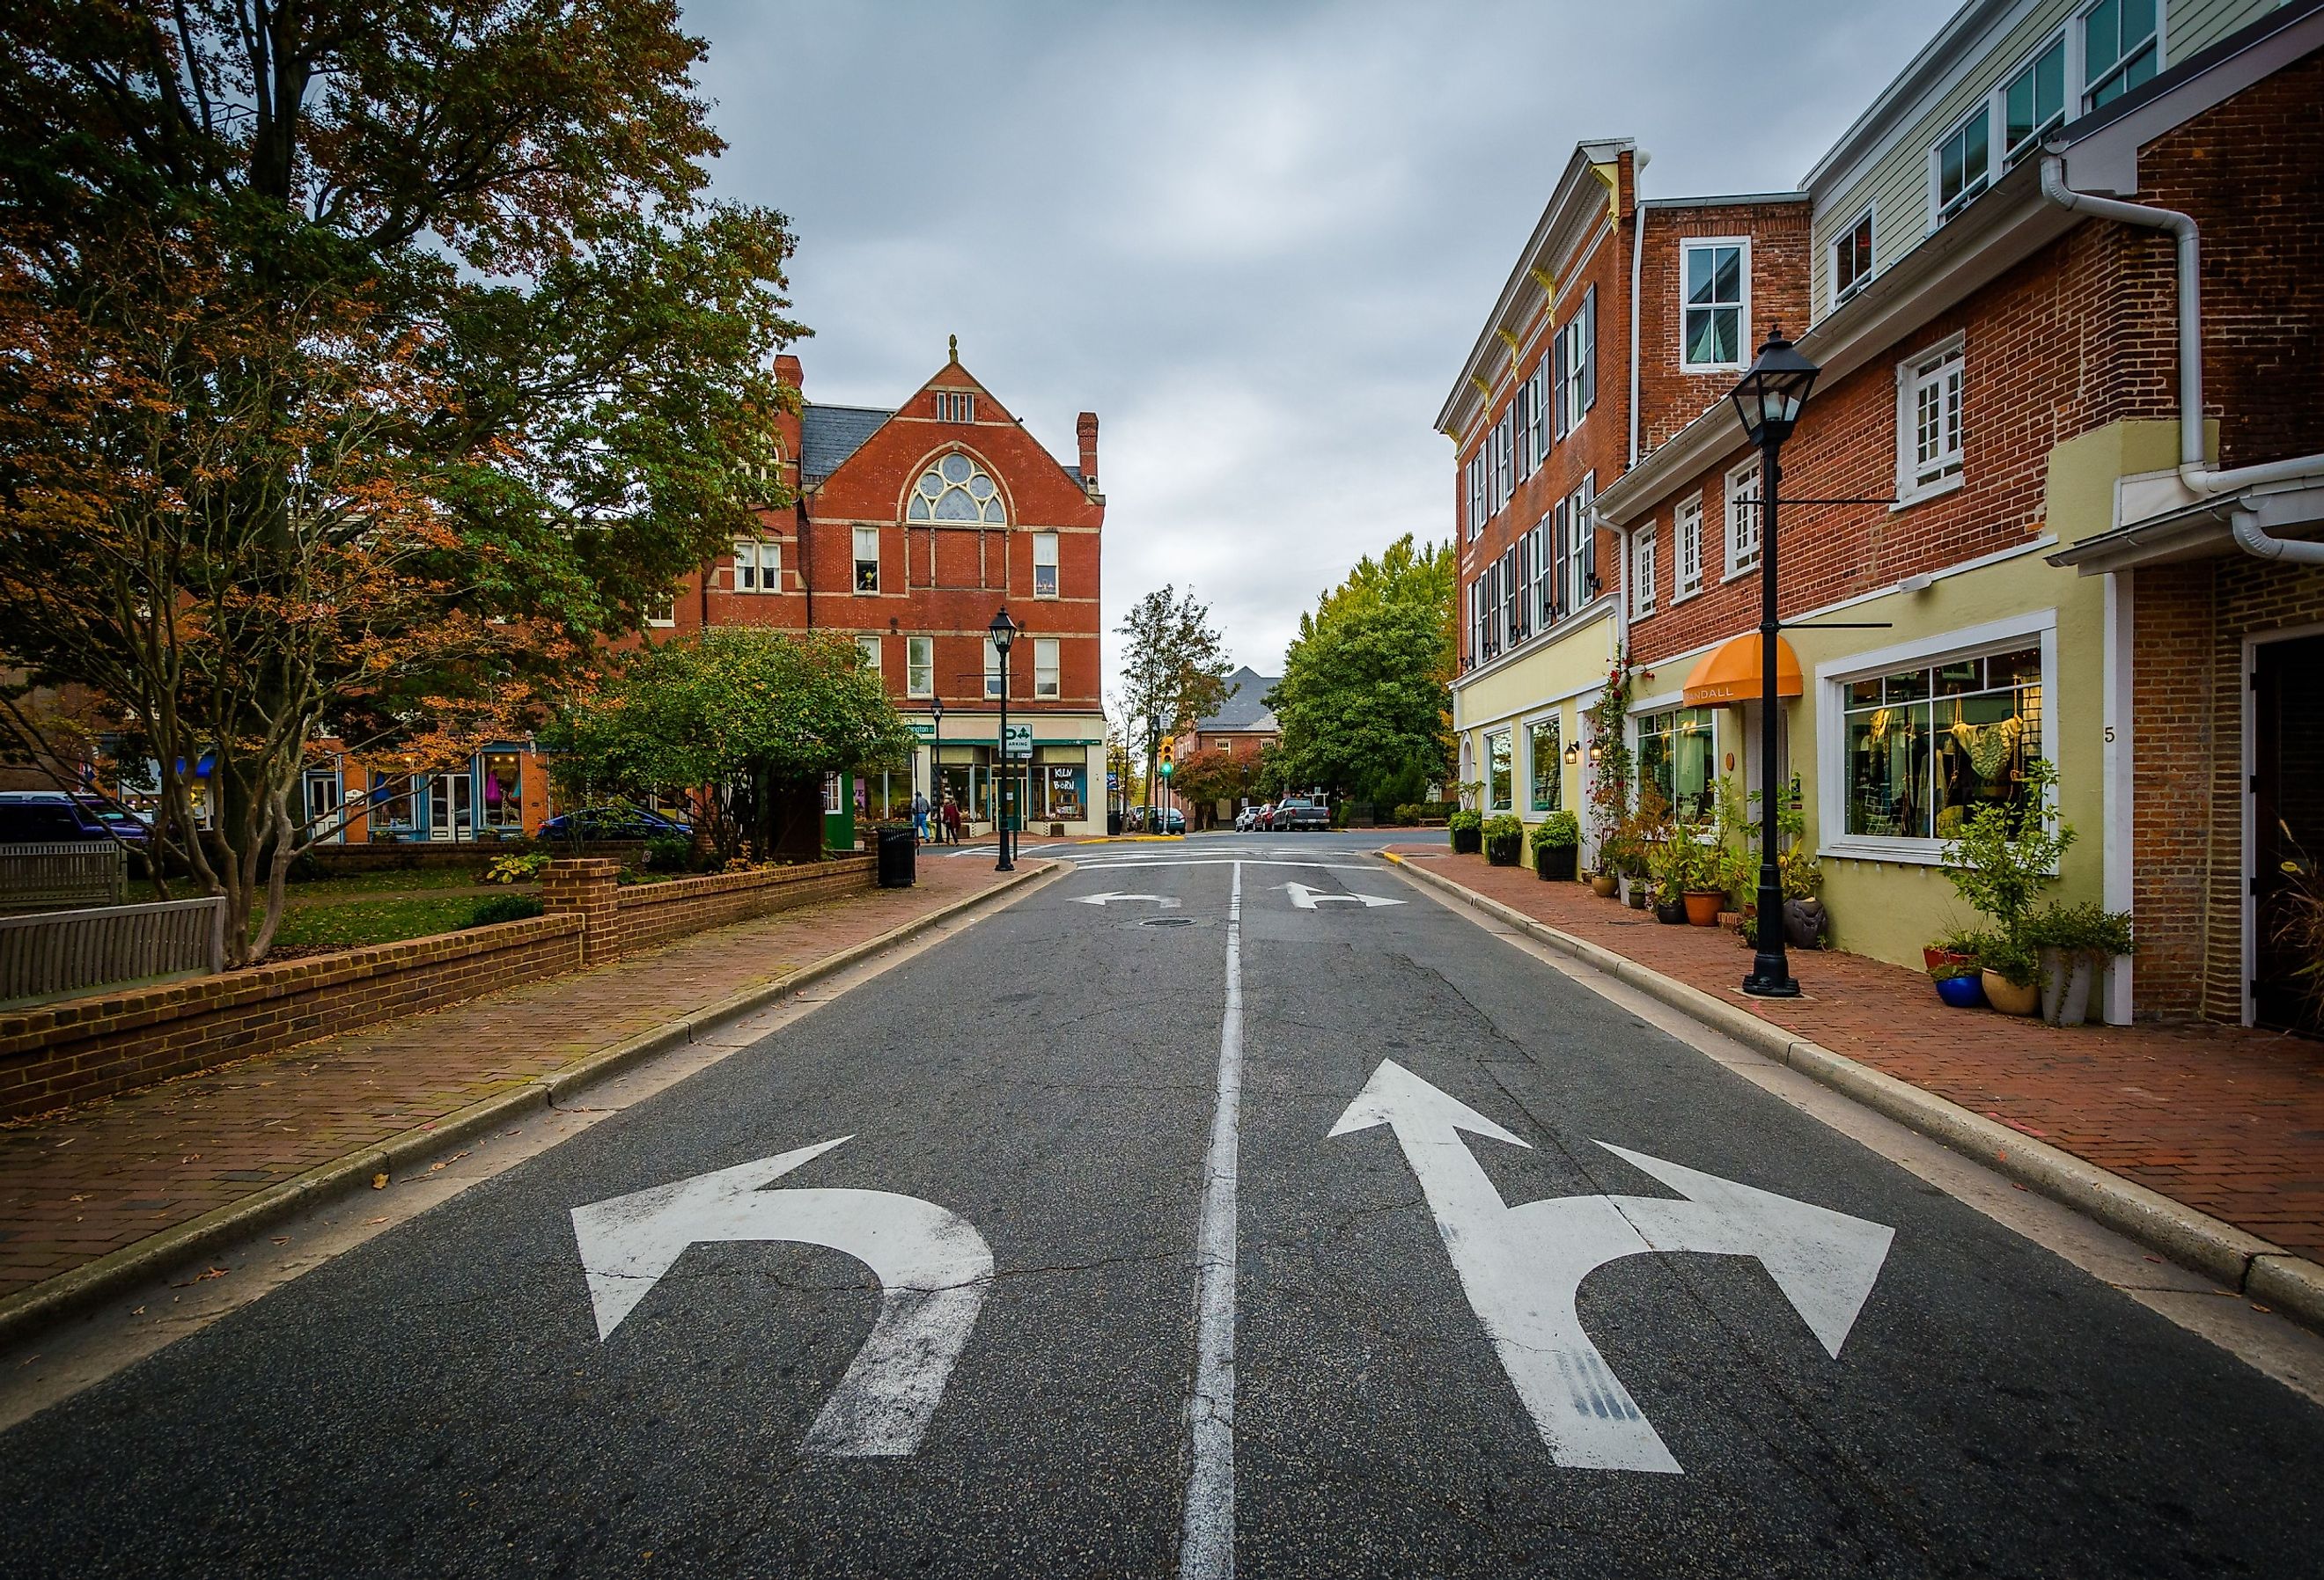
1257 239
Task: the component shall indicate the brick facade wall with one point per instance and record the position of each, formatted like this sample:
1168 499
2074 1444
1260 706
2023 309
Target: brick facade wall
105 1044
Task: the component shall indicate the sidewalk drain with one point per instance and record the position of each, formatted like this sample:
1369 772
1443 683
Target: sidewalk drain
1170 922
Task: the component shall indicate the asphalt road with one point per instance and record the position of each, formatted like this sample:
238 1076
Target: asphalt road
440 1401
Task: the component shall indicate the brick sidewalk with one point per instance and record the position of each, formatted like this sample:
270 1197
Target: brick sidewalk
2228 1121
77 1185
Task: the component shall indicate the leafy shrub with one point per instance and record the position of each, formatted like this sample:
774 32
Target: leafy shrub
517 869
306 867
2010 959
504 908
1504 838
1557 830
2007 854
2087 929
670 853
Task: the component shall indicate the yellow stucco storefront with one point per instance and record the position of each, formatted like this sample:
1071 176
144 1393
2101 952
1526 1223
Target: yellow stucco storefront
1549 680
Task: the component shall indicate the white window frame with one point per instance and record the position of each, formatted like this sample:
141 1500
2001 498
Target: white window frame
1833 680
2010 154
868 645
991 668
1581 543
1543 591
1047 673
1577 355
1686 534
863 535
1506 732
2078 53
1477 514
1525 727
662 612
758 566
919 666
1925 370
1868 216
1731 517
1521 414
1968 194
1642 573
1046 542
1540 405
1694 244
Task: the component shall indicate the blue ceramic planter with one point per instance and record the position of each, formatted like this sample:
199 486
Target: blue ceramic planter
1962 993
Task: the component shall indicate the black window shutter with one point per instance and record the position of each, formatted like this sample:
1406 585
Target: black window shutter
1588 371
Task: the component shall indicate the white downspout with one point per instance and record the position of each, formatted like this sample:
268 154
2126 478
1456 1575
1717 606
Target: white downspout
2193 469
1637 251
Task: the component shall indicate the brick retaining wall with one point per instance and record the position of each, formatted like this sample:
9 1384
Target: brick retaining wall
79 1049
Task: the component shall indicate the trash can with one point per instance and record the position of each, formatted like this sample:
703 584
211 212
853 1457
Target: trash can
896 853
1113 823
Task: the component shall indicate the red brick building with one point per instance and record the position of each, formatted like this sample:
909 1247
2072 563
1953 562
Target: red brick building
913 528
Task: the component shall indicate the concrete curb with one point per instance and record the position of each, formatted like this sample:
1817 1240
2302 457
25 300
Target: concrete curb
51 1301
2244 1262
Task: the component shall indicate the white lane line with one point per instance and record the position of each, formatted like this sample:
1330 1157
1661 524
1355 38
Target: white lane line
1206 1548
1237 865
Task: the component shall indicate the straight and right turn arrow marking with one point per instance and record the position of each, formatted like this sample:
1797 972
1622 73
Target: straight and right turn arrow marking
1522 1267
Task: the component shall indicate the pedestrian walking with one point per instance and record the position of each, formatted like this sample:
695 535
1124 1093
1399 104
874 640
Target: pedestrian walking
951 819
920 817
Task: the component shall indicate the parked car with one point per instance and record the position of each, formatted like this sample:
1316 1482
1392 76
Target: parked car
1247 820
42 816
1171 820
129 827
612 823
1302 814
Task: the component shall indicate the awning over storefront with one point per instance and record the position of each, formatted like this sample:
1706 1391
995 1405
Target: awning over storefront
1728 675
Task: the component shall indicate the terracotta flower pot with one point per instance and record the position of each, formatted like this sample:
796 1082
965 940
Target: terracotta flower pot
1602 885
1702 907
2007 997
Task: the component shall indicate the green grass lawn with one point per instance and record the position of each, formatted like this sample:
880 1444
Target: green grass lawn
348 924
388 881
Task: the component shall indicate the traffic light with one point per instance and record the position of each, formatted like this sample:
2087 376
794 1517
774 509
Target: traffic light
1166 767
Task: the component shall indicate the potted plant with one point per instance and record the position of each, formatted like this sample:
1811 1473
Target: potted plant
1504 838
1557 843
1467 828
1806 920
1602 883
1670 864
2073 942
2009 971
1957 947
1958 985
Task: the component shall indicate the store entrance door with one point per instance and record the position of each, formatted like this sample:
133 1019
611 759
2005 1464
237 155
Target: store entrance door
451 807
2287 810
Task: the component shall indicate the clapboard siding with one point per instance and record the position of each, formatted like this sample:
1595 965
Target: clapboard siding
1896 181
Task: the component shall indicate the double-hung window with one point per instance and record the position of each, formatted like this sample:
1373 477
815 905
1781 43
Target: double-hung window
919 666
1581 545
1044 565
1928 421
1511 593
2120 49
1500 792
1521 414
1543 591
1686 550
1642 573
1576 359
758 566
1743 517
991 668
1521 584
1503 460
1851 259
1540 407
1716 310
1960 164
1477 510
662 612
2034 102
1481 605
1045 666
867 559
870 647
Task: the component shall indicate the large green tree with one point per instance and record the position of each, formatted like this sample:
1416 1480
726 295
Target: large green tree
740 717
362 362
1365 700
1174 667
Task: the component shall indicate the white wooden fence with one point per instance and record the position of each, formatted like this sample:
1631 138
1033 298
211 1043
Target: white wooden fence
59 953
58 875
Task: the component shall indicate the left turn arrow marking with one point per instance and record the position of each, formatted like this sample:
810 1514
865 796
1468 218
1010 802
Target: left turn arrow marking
1167 902
933 1267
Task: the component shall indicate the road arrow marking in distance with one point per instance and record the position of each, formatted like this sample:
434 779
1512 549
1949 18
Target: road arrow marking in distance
1522 1267
1167 902
1306 898
933 1267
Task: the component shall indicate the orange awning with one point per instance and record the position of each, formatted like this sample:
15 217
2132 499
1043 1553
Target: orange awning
1728 675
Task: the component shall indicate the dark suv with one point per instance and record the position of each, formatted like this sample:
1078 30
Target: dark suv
45 816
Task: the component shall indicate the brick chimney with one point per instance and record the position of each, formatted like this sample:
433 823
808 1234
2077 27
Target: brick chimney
1087 428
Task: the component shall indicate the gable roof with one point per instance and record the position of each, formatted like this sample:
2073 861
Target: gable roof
828 435
1245 707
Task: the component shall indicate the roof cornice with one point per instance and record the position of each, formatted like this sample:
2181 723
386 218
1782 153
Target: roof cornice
1956 46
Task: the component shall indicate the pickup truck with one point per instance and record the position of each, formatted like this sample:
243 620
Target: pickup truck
1302 814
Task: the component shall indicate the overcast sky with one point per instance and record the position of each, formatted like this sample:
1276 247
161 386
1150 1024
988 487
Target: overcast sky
1257 239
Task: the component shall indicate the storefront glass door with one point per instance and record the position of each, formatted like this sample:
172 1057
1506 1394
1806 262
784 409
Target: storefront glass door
451 808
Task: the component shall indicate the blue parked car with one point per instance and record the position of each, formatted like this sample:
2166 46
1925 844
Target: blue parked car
613 823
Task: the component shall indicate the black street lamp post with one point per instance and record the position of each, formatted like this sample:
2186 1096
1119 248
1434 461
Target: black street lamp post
1769 400
1003 632
935 763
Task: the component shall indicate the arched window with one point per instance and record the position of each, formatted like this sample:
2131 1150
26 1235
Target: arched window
956 489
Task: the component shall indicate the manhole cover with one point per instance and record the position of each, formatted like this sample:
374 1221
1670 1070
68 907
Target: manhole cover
1170 922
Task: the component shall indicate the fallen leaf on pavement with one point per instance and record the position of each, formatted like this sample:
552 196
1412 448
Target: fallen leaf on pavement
378 1182
384 1220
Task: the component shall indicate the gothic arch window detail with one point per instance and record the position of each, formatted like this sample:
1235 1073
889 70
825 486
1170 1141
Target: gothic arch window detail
955 489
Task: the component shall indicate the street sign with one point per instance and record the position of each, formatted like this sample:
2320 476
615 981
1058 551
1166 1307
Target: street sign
928 732
1018 742
932 1265
1113 781
1522 1267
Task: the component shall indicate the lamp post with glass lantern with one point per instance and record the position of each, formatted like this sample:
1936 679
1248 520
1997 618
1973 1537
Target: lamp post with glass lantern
1003 632
1769 399
935 762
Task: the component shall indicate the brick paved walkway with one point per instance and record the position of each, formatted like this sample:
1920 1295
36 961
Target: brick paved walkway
2228 1121
78 1184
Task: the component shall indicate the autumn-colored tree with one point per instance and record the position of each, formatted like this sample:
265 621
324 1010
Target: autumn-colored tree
1213 775
736 716
360 364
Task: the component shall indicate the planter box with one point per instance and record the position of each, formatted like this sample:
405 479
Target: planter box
1556 864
